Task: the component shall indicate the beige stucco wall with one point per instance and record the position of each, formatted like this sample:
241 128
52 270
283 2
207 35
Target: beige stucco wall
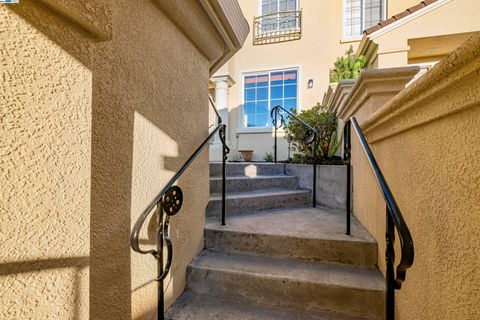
314 55
45 129
427 146
452 17
101 103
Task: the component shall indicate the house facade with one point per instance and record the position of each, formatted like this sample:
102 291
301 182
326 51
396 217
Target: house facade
293 45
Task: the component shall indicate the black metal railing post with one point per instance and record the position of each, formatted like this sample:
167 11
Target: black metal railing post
275 138
346 156
390 261
224 163
314 183
159 257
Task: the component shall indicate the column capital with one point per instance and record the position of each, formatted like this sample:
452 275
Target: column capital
223 78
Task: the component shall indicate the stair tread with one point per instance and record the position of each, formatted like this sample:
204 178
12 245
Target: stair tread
300 222
322 273
192 306
259 193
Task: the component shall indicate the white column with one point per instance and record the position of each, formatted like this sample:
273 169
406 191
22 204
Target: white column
221 101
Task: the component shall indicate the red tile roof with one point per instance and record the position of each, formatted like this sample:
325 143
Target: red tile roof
399 16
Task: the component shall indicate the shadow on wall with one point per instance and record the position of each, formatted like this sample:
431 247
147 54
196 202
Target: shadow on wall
136 72
73 268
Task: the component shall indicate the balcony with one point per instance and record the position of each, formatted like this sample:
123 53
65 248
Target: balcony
277 27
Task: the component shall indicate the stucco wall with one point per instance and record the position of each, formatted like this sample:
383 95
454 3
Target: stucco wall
425 143
45 129
101 103
314 54
453 17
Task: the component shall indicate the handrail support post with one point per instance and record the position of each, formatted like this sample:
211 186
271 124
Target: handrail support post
160 287
275 139
314 187
224 160
390 261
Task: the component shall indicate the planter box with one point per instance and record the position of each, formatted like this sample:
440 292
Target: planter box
331 182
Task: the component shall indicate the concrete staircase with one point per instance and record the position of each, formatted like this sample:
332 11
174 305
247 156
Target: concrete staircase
277 257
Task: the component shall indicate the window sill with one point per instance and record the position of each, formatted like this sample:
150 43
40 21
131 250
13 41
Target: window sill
258 130
349 40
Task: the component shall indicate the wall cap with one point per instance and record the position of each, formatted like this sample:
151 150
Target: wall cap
458 72
340 95
374 82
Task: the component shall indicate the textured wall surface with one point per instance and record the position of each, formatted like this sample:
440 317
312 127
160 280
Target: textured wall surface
149 114
101 102
45 130
426 143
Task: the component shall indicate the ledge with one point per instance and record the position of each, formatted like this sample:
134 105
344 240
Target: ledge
379 82
451 86
92 17
340 95
227 29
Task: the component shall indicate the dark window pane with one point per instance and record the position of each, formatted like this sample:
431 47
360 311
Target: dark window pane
290 77
249 94
291 91
261 107
250 82
290 104
249 108
262 80
276 92
276 78
250 121
262 120
262 93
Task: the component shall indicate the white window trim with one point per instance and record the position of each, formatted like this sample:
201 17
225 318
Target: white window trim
359 37
241 93
260 13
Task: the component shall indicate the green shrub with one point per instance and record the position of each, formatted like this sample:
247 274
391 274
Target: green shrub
347 67
321 120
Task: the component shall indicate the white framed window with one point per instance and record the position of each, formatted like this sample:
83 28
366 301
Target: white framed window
359 15
264 90
277 16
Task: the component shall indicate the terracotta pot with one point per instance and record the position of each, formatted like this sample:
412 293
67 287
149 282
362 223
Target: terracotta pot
246 155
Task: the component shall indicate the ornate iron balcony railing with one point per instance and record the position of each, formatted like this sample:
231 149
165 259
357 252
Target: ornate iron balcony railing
277 27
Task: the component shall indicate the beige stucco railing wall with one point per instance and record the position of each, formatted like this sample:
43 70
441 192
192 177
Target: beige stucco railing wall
426 142
100 103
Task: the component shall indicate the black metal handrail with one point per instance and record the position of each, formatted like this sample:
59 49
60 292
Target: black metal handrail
311 136
168 203
394 219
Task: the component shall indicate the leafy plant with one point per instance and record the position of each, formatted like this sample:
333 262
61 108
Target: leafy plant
268 157
334 144
347 67
321 120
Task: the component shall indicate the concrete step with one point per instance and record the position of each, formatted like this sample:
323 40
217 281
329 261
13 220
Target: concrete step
295 284
249 169
258 200
244 183
301 233
204 307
